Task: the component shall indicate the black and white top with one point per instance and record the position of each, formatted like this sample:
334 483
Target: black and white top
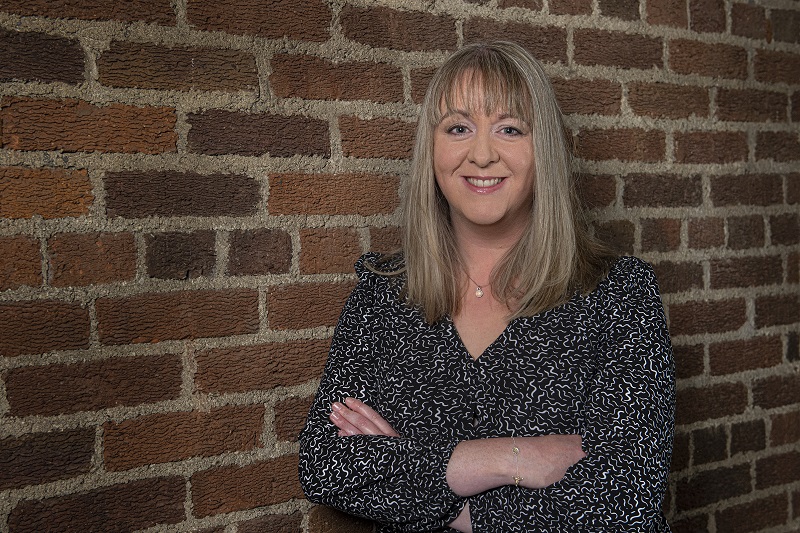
599 365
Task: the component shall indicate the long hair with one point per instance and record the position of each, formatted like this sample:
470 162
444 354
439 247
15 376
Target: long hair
555 256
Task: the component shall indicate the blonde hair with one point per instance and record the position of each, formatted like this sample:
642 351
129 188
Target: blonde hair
555 255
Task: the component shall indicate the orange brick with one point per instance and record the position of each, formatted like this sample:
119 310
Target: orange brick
588 97
49 193
328 250
306 305
622 144
307 20
324 194
91 258
41 326
710 147
716 60
385 240
290 417
20 262
379 137
713 316
547 43
382 27
617 49
664 100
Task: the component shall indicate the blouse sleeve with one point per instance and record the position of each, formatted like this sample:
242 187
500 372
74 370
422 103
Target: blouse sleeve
628 424
393 480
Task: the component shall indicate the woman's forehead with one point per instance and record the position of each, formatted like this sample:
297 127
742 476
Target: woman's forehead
473 95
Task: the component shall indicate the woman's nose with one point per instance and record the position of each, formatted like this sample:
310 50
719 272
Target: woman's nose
482 151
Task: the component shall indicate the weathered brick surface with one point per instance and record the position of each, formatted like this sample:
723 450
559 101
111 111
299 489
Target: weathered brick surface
143 194
44 457
688 360
778 145
118 508
697 404
678 276
711 486
382 27
49 193
328 250
385 240
20 262
296 19
711 316
260 251
588 97
667 13
90 258
217 132
548 44
39 57
290 417
748 436
776 67
749 354
619 234
306 305
710 444
706 232
746 271
749 21
777 391
746 232
751 106
571 7
41 326
707 59
662 190
259 367
622 144
157 67
777 469
776 310
710 147
89 386
622 9
748 189
153 11
661 234
163 438
77 126
237 488
284 523
785 25
528 4
328 520
616 49
180 255
597 190
753 516
177 315
379 137
785 428
326 194
707 15
663 100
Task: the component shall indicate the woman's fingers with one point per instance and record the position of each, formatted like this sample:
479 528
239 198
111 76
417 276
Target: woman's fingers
360 407
357 418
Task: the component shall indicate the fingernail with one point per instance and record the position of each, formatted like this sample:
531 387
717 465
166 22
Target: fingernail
337 406
335 416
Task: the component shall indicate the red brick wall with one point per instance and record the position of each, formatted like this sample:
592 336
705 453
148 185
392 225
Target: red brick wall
185 185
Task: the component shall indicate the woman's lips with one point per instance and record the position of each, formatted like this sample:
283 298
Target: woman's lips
483 183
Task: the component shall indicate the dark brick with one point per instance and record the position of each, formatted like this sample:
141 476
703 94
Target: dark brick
527 4
306 305
328 194
713 316
661 234
681 450
710 445
621 9
45 457
745 232
777 310
746 271
139 195
747 105
749 20
259 251
218 132
707 403
546 43
785 229
588 97
706 233
597 191
275 522
149 11
668 13
748 436
664 100
785 25
39 57
617 49
785 428
290 417
716 60
323 519
712 486
775 66
747 189
707 15
42 326
778 470
754 516
647 190
749 354
571 7
619 234
776 391
688 360
307 20
648 146
180 255
382 27
385 240
777 145
678 276
710 147
694 524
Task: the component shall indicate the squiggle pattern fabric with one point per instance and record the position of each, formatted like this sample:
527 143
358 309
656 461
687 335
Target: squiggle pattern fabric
600 366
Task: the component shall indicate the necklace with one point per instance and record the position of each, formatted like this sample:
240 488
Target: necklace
478 289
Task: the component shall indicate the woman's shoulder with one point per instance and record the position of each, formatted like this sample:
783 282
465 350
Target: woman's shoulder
629 276
375 266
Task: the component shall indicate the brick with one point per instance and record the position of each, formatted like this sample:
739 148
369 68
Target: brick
382 27
169 437
619 234
290 417
621 9
747 105
42 326
749 20
312 78
660 234
150 11
712 486
291 523
747 354
535 5
793 189
796 107
748 437
328 520
676 277
116 509
785 25
774 66
650 190
260 367
667 13
179 255
45 457
420 78
776 391
753 516
746 271
177 315
80 259
90 386
20 262
715 60
144 194
688 360
707 15
597 191
306 305
588 97
77 126
785 428
237 488
714 316
778 470
327 194
380 137
328 250
694 524
570 7
547 43
747 189
665 100
710 147
785 229
706 233
710 402
710 445
305 20
385 240
793 344
632 144
745 232
259 251
48 193
616 49
218 132
680 451
40 57
777 145
777 310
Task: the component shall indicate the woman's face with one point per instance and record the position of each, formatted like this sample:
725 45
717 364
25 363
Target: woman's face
484 166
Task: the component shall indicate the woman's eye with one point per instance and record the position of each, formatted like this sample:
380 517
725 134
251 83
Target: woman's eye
457 129
511 130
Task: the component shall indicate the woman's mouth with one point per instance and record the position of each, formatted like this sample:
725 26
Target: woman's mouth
483 182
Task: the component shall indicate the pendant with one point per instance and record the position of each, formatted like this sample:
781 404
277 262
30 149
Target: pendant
479 292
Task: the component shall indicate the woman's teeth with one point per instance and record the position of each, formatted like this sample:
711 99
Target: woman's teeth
475 182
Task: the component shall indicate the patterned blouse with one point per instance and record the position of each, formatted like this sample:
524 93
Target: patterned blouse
599 365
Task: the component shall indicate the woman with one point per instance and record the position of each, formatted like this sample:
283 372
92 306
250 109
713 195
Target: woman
504 372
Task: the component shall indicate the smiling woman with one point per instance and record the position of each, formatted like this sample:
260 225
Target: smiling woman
503 372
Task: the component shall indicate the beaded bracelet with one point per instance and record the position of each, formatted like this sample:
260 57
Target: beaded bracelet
515 450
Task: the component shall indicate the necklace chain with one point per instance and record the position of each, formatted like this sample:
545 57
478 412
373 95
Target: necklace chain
478 288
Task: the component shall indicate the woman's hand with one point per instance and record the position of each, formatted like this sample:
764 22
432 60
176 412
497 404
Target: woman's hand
354 417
